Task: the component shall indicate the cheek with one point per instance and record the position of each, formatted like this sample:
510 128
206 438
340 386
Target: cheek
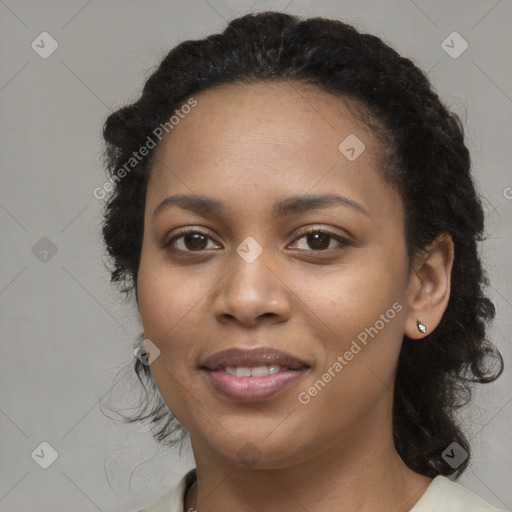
173 311
348 298
161 306
165 296
357 315
168 306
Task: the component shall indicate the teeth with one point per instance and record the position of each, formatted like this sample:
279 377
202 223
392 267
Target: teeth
274 368
259 371
255 371
241 371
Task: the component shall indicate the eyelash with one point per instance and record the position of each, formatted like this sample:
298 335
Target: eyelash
344 242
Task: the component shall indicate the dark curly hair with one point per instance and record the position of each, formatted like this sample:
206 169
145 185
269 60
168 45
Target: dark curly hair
423 156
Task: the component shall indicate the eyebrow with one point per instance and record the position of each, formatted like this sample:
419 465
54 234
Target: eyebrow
288 206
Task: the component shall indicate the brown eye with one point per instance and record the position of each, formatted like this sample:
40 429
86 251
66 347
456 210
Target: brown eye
319 240
195 241
189 241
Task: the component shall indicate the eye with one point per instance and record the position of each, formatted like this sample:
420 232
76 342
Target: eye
320 240
190 240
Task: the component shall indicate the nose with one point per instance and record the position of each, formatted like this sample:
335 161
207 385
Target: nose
252 294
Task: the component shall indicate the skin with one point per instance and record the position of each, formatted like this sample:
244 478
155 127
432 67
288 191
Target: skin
249 146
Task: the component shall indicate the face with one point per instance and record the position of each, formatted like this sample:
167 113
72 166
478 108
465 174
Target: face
322 280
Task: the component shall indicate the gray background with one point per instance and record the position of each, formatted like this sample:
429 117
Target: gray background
65 333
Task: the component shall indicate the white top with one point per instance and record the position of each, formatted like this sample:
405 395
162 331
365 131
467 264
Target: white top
442 495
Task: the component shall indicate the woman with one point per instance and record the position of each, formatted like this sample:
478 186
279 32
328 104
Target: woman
294 211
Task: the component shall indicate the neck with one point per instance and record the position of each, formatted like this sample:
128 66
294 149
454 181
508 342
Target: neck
362 472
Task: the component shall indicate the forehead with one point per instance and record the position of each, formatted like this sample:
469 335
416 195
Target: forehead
278 138
281 120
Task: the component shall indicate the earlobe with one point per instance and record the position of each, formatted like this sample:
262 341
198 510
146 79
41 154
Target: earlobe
429 288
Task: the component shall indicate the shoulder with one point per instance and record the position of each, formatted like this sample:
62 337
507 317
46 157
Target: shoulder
444 495
173 501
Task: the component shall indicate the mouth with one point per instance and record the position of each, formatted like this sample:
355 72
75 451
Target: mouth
254 371
252 358
252 375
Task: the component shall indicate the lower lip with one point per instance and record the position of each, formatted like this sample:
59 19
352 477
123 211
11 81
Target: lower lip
251 389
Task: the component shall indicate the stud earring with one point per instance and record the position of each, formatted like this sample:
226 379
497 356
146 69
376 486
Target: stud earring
421 326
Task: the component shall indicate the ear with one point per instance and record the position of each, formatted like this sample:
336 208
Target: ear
428 290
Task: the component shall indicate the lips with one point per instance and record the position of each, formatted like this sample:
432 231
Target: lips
237 357
252 375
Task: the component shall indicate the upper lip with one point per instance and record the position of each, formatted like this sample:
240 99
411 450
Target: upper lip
250 358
